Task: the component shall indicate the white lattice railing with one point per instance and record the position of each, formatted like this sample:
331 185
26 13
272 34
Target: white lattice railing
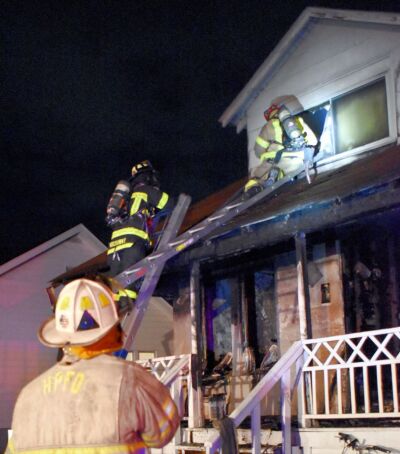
349 376
352 376
176 373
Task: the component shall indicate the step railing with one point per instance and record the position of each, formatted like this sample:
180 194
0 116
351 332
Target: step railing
348 376
250 406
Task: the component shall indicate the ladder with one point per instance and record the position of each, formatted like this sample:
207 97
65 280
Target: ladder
170 245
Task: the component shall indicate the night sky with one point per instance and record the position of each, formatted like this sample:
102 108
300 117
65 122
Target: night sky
90 88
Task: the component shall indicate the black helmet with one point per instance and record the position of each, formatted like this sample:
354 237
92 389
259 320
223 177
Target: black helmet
144 172
141 167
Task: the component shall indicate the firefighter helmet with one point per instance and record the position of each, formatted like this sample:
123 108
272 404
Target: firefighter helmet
141 167
85 312
271 112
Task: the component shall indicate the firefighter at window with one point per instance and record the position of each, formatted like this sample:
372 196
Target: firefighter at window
130 212
282 145
90 401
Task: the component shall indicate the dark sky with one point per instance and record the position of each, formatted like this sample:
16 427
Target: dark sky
89 88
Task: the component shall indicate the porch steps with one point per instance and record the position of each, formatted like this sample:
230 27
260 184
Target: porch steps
311 440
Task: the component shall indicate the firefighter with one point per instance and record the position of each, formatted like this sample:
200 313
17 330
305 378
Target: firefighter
130 210
282 145
90 402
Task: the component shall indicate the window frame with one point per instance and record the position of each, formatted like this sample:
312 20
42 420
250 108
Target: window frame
342 86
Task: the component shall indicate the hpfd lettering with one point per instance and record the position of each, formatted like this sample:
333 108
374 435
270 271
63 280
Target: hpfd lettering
63 381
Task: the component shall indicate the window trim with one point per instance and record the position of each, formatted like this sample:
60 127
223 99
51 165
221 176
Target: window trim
382 69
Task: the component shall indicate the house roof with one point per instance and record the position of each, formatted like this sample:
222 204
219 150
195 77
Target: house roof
235 113
194 215
338 194
78 230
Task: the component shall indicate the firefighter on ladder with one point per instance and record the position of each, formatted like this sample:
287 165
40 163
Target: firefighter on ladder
283 144
130 210
90 402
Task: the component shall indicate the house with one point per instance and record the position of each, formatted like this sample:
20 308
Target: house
316 262
25 305
313 269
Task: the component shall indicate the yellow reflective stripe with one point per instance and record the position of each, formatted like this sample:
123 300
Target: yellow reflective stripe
118 248
163 201
278 132
112 449
250 184
121 293
10 447
138 198
263 143
130 231
267 155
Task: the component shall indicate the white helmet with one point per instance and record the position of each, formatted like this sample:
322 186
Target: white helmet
85 312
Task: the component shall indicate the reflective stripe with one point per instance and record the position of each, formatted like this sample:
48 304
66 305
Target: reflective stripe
250 184
138 448
278 132
267 155
122 293
118 248
138 198
10 447
130 231
163 201
263 143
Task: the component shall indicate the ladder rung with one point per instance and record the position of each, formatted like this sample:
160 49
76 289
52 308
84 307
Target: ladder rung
214 218
198 229
154 256
174 243
131 271
230 207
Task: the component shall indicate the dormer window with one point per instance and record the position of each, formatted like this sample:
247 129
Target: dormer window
360 117
354 121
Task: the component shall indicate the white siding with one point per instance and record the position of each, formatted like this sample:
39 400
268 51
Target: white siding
156 331
330 58
24 306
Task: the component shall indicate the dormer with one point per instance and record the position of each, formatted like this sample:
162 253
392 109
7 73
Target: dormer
343 66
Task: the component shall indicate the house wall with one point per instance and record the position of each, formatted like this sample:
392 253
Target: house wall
25 306
156 332
331 57
327 319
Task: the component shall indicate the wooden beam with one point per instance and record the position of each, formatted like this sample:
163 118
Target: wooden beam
303 291
331 213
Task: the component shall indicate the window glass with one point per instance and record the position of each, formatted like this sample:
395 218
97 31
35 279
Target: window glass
360 117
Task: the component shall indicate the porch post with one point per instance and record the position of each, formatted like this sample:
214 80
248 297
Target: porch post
194 384
304 305
303 292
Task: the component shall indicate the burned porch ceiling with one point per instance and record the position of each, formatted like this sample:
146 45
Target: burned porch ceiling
338 194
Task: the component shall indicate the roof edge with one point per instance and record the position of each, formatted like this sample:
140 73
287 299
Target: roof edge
234 114
32 253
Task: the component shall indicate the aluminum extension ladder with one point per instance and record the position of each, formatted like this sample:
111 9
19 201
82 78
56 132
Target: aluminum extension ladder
170 245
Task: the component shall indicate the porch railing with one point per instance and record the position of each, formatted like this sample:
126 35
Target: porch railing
352 376
250 406
177 373
348 376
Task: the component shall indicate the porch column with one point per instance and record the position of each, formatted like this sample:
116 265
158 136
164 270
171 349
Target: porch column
303 291
303 299
195 401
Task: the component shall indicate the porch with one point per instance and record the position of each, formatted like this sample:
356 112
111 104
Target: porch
347 383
